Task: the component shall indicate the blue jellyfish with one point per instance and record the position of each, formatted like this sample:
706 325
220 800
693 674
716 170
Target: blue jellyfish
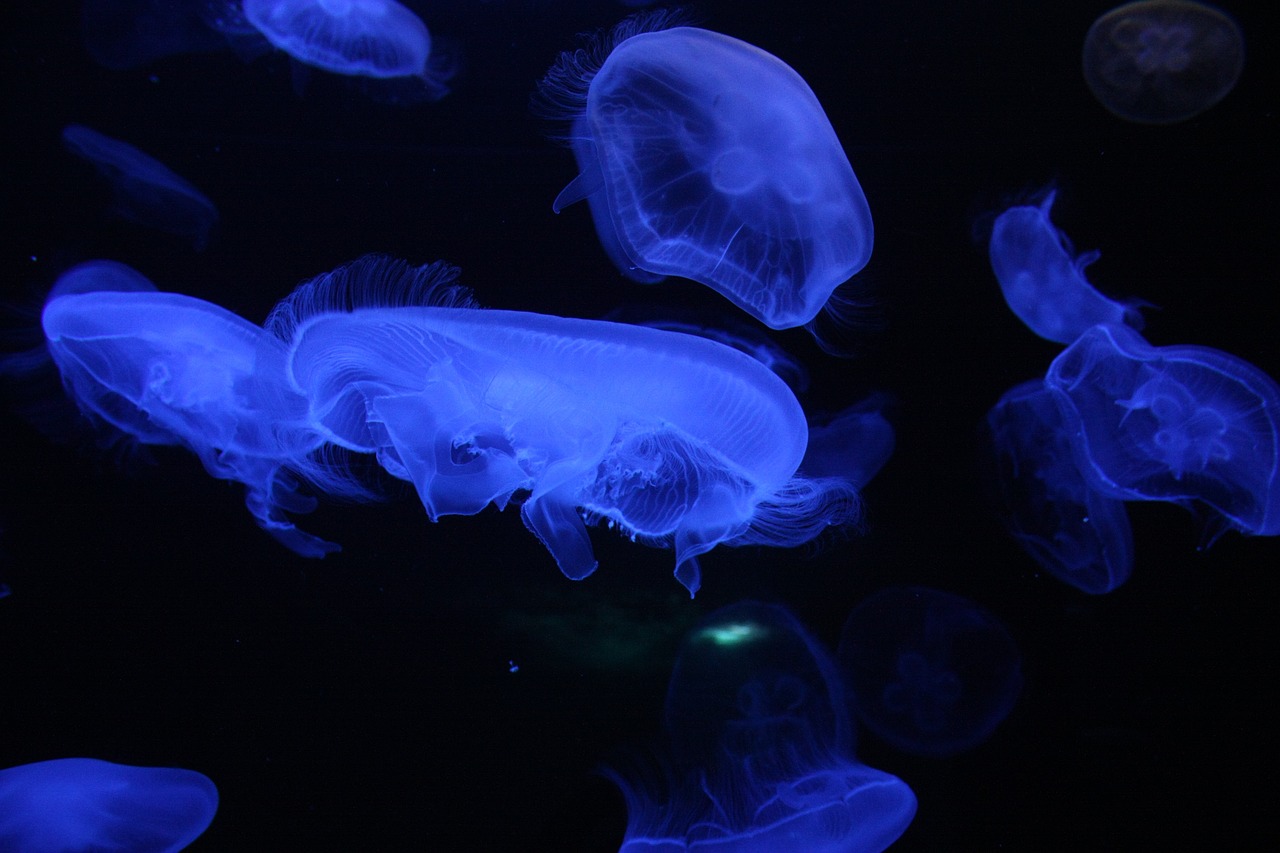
675 440
86 804
761 749
1162 61
371 38
1175 423
932 673
167 369
854 443
705 157
145 191
1078 534
1043 283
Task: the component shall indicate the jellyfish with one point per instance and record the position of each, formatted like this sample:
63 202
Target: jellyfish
1042 283
145 191
672 439
371 38
854 443
1162 61
1079 535
932 673
123 34
704 157
1175 423
87 804
761 749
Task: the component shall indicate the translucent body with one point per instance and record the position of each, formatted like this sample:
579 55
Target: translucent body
373 38
81 804
1076 533
932 673
1177 423
145 191
853 444
705 157
673 439
1162 61
761 749
1042 283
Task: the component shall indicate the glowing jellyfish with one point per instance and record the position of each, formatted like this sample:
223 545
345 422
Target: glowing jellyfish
705 157
372 38
1076 533
1043 283
1162 61
761 749
1176 423
932 673
853 444
673 439
145 191
86 804
168 369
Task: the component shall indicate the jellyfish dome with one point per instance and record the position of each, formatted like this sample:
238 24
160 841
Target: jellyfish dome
371 38
705 157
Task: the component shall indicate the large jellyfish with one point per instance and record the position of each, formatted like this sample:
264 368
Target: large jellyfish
761 749
932 673
705 157
82 804
673 439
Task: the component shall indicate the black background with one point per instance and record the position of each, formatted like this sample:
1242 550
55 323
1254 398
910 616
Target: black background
364 701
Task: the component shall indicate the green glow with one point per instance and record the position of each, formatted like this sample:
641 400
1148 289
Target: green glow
731 634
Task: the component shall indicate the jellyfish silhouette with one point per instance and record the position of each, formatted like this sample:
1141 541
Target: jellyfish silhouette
761 749
1078 534
87 804
1162 61
704 157
1042 283
145 191
674 440
1174 423
932 673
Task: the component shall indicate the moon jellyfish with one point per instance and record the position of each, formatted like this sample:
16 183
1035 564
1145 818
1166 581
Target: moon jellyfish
168 369
145 191
672 439
761 749
1162 61
86 804
372 38
1043 283
1175 423
853 444
932 673
705 157
1076 533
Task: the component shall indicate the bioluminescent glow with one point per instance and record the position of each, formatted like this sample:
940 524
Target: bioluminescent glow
371 38
853 444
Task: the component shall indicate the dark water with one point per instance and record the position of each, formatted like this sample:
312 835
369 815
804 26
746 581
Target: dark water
365 701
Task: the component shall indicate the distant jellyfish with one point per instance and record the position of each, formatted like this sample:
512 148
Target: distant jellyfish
932 673
761 749
1174 423
853 444
704 157
75 804
123 34
1162 61
1043 282
145 191
373 38
1079 535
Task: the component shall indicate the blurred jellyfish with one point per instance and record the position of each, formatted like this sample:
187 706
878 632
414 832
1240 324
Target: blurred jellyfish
145 191
932 673
761 749
82 804
675 440
705 157
1175 423
1162 61
123 34
1042 283
853 444
1076 533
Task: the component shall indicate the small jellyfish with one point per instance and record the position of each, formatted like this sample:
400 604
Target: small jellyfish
85 804
704 157
761 749
1078 534
1174 423
1043 283
853 444
1162 61
123 34
145 191
932 673
371 38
